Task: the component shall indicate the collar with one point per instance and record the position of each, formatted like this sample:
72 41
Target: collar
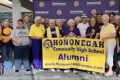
19 28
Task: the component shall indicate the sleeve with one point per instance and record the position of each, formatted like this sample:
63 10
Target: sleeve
87 31
12 35
98 30
65 32
44 29
0 30
45 34
118 33
78 32
112 28
31 31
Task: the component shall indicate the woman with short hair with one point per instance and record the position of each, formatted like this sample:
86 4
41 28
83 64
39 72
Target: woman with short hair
108 34
71 31
36 33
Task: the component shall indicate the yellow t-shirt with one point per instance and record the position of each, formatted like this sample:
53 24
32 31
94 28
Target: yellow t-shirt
107 30
37 31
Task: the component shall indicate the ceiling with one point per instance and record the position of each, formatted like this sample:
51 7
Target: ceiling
26 5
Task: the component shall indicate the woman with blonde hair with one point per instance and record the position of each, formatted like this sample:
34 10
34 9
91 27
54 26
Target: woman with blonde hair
108 34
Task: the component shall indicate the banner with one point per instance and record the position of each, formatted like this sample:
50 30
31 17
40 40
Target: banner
69 9
82 53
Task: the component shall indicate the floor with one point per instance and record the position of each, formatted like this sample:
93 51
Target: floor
48 75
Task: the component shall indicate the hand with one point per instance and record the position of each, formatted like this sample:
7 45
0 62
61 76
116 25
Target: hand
73 36
78 36
30 42
19 42
1 38
68 36
103 38
42 38
59 36
93 31
118 50
64 37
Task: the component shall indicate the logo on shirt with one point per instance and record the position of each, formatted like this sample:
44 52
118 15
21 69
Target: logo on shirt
47 44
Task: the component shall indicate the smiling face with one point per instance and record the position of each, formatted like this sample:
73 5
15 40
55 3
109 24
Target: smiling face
84 20
37 22
117 21
77 21
52 24
99 18
59 23
71 24
27 19
112 17
47 20
20 24
6 22
105 19
93 22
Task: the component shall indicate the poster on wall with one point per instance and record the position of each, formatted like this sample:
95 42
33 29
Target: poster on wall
69 9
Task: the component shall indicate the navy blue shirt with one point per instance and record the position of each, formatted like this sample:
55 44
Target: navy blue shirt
75 31
91 30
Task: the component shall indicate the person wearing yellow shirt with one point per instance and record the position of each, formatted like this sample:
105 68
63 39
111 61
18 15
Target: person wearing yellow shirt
5 31
36 33
108 34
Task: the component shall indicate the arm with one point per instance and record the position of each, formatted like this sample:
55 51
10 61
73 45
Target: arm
78 33
17 41
33 37
1 37
97 35
109 36
118 48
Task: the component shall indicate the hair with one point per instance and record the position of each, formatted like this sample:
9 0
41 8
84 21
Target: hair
105 15
20 20
48 17
37 17
5 19
117 17
77 18
26 16
96 22
112 13
99 14
70 21
59 20
51 20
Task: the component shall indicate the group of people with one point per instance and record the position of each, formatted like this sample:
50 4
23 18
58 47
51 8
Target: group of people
27 39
